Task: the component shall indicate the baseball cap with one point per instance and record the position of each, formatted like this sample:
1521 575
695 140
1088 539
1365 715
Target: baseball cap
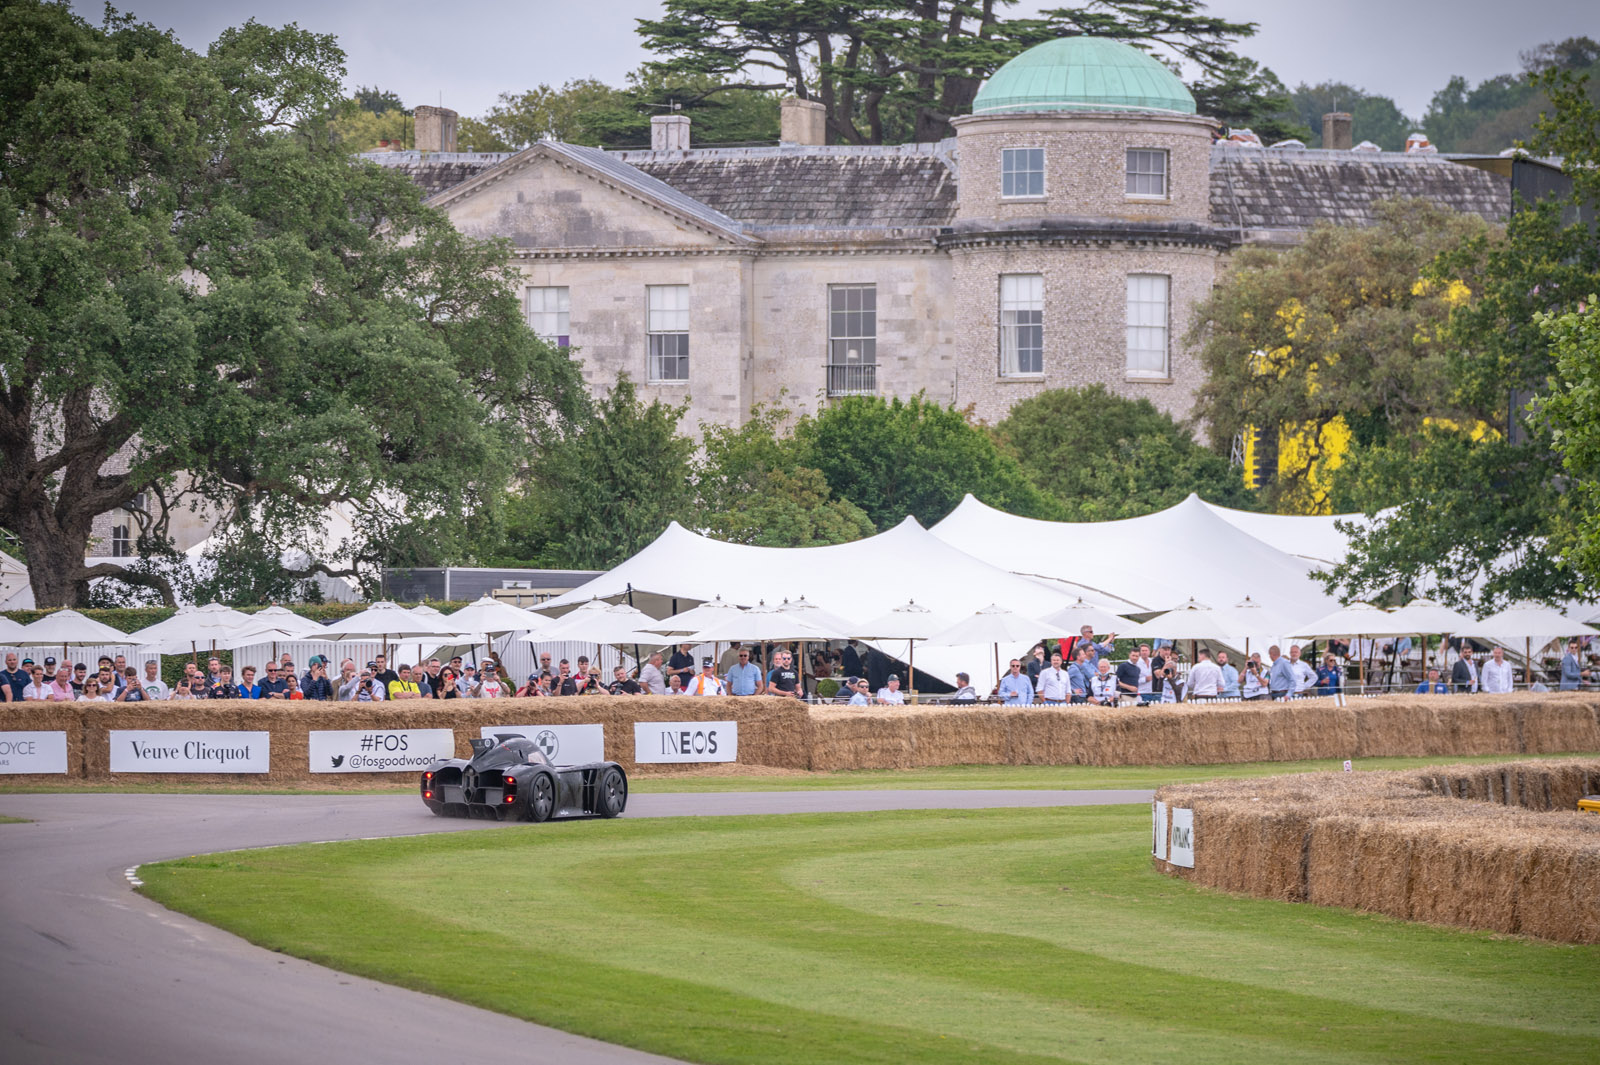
27 661
49 661
706 661
372 665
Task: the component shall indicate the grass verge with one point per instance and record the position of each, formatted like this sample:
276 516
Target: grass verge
1002 936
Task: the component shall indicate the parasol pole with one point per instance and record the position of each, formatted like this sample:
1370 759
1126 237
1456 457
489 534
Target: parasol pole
997 668
911 673
1527 661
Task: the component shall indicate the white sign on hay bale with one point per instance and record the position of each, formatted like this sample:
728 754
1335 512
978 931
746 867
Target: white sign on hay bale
562 744
1158 829
379 750
1183 837
33 752
182 751
685 741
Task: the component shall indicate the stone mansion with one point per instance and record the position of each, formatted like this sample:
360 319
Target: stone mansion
1062 237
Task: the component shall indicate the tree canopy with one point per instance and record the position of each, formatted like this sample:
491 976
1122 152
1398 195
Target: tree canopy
1104 456
887 73
203 299
1373 117
1331 342
1499 111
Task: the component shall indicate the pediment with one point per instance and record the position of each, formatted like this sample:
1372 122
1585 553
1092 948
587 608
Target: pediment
551 197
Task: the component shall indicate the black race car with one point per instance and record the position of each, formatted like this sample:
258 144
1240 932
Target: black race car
509 778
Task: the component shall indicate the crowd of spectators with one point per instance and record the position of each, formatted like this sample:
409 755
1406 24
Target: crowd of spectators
1079 670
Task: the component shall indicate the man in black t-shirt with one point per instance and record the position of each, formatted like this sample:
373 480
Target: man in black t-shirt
681 664
382 673
1128 675
782 679
622 684
15 680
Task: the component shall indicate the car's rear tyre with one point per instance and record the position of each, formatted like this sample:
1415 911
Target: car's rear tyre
541 797
613 797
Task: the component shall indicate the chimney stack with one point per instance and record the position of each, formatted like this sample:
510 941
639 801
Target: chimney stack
435 129
1337 132
669 133
802 122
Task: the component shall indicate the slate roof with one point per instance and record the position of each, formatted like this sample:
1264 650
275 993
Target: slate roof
833 187
826 190
1290 189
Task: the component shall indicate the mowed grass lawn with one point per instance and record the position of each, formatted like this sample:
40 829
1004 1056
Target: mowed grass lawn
987 936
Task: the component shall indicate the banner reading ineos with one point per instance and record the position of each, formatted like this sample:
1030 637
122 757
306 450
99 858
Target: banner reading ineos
33 752
685 741
177 751
374 750
562 744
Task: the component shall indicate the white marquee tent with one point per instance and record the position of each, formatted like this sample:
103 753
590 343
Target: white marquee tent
857 581
1156 562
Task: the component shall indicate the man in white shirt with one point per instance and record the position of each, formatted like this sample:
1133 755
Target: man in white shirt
1205 679
1103 688
1305 678
651 679
152 684
1054 684
1147 691
892 695
859 695
1498 676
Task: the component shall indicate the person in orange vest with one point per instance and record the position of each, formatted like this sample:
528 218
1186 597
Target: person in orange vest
706 682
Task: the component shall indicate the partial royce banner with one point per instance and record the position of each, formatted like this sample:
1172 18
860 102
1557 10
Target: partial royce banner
562 744
33 752
685 741
180 751
373 750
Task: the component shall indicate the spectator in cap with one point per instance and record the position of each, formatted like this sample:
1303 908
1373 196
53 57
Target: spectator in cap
706 682
315 684
890 694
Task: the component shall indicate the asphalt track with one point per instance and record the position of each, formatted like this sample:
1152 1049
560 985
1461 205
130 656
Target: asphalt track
93 972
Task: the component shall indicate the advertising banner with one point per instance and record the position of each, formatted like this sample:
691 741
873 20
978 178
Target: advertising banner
685 741
181 751
33 752
1158 829
1183 837
562 744
373 750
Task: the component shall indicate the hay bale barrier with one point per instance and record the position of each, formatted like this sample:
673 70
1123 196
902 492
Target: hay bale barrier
783 734
1497 847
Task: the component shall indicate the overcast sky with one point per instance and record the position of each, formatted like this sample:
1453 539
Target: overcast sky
468 51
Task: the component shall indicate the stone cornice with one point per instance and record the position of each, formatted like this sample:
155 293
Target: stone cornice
1085 231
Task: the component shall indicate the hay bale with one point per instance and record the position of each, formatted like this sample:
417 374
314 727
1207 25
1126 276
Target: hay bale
1490 847
48 717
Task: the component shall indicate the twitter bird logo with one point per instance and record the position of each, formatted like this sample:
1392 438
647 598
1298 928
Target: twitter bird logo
338 760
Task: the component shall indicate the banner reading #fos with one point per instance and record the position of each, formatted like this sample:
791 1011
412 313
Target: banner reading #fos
685 741
372 750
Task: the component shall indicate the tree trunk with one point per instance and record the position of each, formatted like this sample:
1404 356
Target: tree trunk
55 559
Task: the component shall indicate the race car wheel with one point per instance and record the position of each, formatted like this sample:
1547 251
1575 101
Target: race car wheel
541 797
613 793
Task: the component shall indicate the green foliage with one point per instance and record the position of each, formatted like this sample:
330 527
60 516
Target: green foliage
1372 117
1497 508
1502 111
610 486
1104 456
1339 330
1245 95
580 112
899 458
348 345
886 73
752 489
1572 410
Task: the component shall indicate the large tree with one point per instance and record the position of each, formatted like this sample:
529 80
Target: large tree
1373 117
1332 342
898 458
921 62
1478 518
1104 456
201 298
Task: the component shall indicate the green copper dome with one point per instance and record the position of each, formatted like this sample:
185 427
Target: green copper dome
1083 74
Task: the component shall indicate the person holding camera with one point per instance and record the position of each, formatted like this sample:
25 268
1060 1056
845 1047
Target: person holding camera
1253 684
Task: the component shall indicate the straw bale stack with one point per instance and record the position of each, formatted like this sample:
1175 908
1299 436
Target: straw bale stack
1496 847
46 717
771 731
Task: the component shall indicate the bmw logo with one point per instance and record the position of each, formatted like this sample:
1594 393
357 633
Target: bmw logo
546 741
